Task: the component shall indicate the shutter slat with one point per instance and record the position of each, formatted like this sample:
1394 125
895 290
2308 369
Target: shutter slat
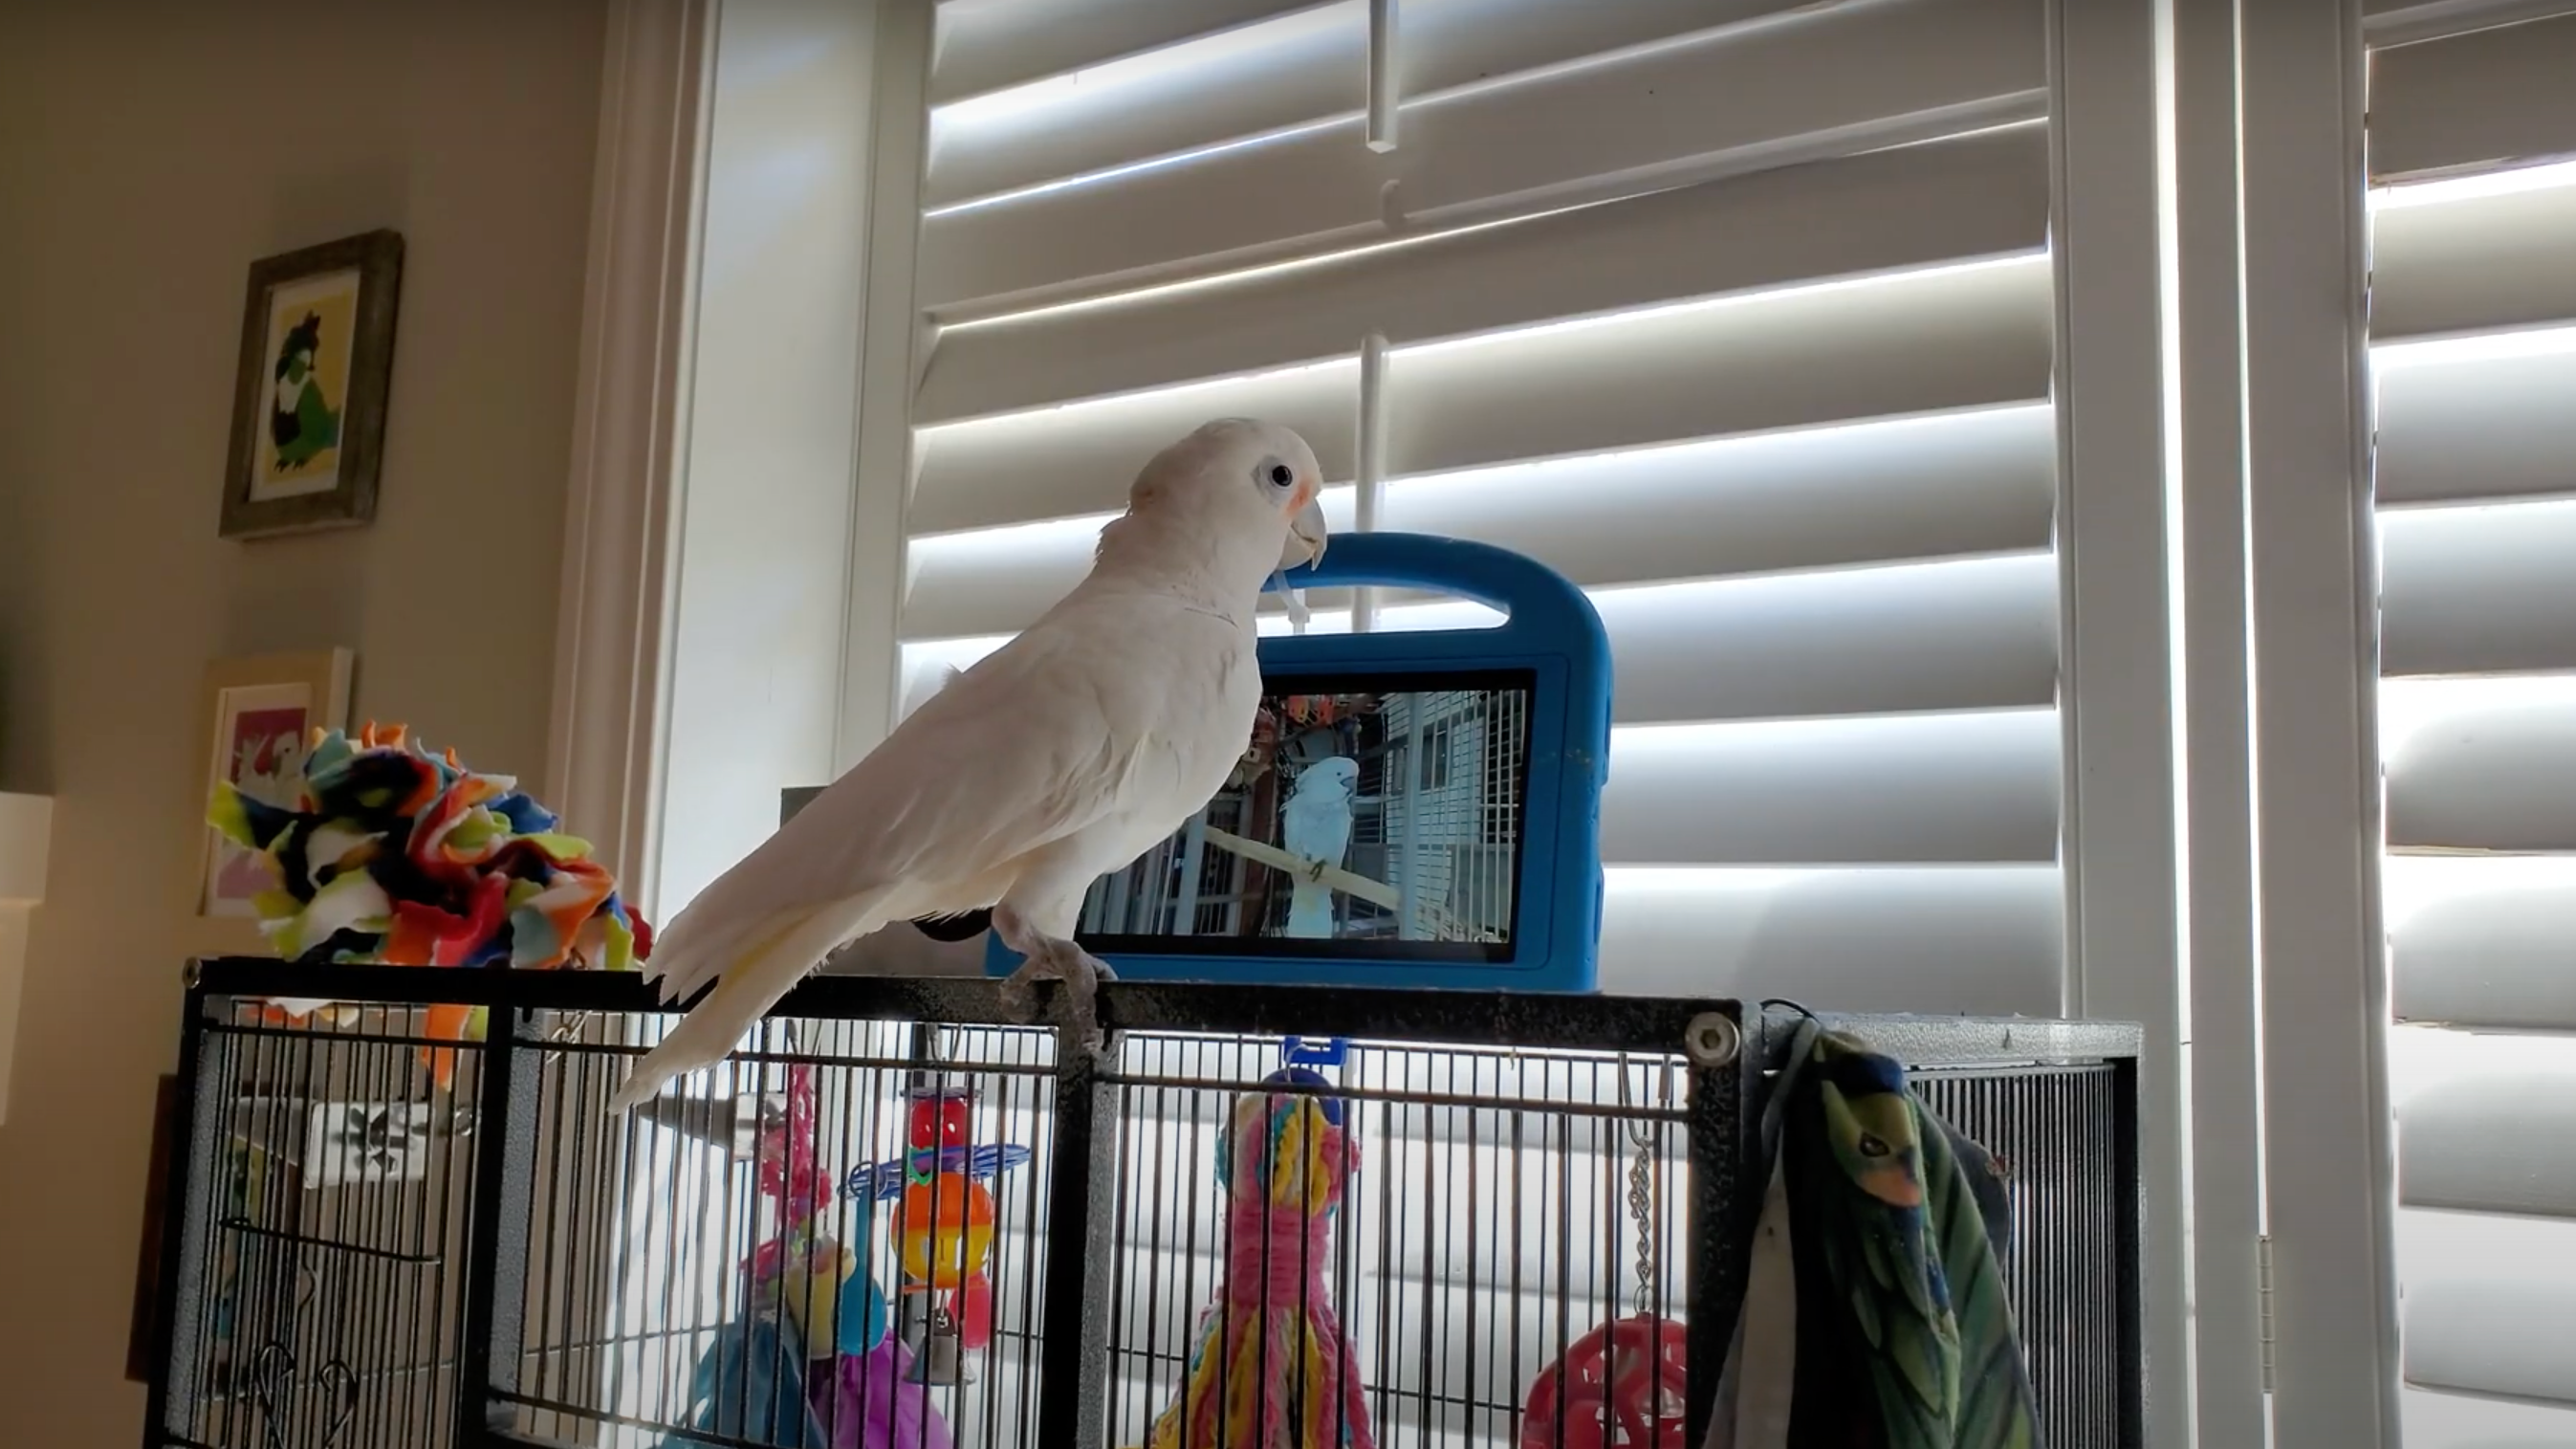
1959 486
1866 492
2481 764
1730 99
2478 429
1735 90
1068 462
2502 1332
2496 95
2436 1420
2483 941
1905 789
1307 66
1443 45
1982 940
2479 589
2479 264
1910 343
1976 197
1819 367
1976 634
1861 493
990 45
2485 1298
2488 1144
1303 66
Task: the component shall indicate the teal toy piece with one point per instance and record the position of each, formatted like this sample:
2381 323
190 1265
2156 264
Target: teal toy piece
864 1313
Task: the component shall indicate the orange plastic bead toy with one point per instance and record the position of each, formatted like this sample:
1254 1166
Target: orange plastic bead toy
947 1226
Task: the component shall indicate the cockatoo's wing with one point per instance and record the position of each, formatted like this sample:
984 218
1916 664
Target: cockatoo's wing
1316 827
1029 746
1071 721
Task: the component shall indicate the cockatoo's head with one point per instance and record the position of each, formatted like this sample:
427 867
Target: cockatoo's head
1333 775
1239 478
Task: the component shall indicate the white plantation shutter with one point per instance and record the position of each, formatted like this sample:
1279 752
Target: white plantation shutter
2474 355
1739 313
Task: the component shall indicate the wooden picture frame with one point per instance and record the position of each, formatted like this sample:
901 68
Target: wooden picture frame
316 365
255 720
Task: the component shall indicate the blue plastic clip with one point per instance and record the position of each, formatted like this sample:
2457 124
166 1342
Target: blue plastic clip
1298 1051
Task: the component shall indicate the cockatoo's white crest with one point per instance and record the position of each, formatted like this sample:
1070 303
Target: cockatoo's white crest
1328 775
1235 478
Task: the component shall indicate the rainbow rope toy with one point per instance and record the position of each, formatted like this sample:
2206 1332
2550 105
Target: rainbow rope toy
393 856
1272 1367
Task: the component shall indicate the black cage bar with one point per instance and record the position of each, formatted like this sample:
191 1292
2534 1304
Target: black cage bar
363 1254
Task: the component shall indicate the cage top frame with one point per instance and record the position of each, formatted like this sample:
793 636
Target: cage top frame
1261 1009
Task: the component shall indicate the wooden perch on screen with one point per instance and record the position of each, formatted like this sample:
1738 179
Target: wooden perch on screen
1375 892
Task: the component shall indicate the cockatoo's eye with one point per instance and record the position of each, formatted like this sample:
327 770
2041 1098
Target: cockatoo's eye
1276 474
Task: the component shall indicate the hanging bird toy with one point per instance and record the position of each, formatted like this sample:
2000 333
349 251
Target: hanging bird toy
944 1223
393 856
808 1364
1272 1367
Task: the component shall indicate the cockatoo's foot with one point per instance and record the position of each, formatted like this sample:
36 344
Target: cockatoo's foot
1050 959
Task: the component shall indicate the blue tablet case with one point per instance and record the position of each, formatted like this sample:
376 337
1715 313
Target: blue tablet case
1551 633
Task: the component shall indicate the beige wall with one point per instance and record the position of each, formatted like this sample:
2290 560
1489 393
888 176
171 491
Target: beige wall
147 154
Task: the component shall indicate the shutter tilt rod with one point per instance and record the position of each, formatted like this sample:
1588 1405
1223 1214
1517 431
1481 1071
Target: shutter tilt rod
1371 466
1381 62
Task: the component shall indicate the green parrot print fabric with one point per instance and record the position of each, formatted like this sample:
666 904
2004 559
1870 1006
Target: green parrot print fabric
1877 1257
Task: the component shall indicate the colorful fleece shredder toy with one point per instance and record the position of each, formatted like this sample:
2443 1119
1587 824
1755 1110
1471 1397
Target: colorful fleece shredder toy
809 1364
1272 1368
393 856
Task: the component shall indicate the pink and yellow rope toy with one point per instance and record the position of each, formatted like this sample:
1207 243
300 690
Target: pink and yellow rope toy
1272 1367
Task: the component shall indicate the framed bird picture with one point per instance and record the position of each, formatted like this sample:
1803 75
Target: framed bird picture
256 717
317 351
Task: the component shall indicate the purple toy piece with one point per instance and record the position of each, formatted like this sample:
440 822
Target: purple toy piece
870 1402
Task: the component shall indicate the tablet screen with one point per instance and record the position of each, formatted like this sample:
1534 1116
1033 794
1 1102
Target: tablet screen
1373 815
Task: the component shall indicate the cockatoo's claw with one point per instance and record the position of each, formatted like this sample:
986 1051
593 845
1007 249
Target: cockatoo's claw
1079 970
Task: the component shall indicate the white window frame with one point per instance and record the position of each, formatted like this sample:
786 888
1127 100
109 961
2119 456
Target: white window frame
2314 601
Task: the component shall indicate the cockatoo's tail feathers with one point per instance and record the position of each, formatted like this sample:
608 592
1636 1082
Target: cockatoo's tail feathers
747 985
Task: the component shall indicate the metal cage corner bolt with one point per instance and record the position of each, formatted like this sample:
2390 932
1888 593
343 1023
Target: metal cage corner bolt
1712 1040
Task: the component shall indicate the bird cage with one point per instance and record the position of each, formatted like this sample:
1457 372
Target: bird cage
895 1217
329 1184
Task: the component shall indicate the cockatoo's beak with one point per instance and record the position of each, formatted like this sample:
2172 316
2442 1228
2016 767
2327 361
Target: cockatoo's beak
1306 536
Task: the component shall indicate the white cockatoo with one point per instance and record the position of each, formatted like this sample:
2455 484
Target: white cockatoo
1063 755
1315 826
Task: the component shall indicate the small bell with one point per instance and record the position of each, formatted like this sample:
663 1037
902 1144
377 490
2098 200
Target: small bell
938 1347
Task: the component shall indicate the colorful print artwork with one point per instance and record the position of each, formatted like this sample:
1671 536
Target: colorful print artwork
261 736
311 384
311 326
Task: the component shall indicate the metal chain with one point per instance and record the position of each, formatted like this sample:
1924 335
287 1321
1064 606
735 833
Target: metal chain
1641 1201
